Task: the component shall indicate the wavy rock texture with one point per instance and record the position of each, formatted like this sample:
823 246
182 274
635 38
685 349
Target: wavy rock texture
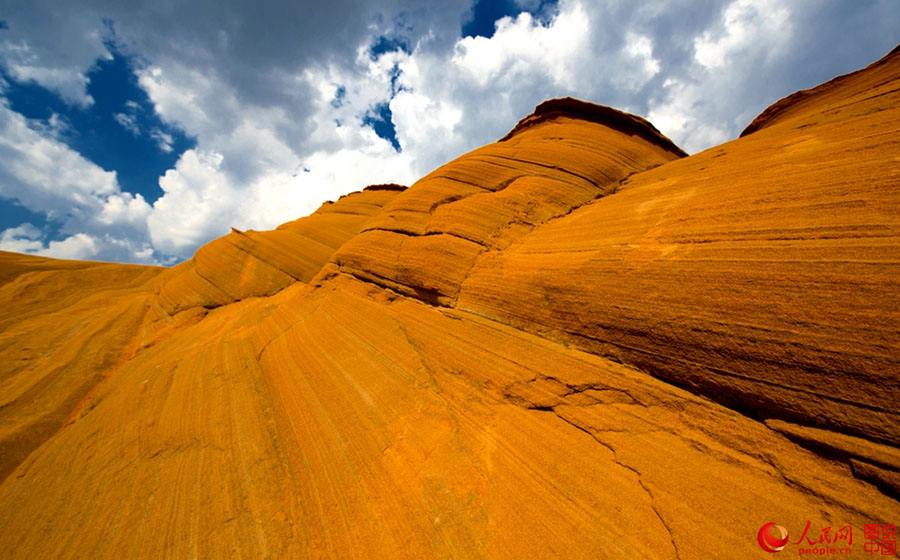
425 241
251 263
573 343
67 325
762 273
64 326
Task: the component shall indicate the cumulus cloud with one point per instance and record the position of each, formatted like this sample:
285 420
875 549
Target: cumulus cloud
759 25
21 239
698 108
639 48
250 174
46 176
477 90
23 64
524 47
42 173
281 99
53 48
78 246
26 238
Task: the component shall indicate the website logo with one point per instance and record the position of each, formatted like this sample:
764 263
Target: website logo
772 537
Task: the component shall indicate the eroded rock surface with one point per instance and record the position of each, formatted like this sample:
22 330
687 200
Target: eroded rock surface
425 241
572 343
259 263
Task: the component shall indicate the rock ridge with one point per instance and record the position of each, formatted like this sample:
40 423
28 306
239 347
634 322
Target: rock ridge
796 102
601 114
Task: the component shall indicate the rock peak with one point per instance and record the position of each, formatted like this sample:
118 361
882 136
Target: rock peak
386 187
584 110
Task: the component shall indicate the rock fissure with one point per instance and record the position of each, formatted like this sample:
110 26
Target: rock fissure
637 474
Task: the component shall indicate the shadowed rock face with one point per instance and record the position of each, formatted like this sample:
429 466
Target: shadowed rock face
762 273
572 343
627 123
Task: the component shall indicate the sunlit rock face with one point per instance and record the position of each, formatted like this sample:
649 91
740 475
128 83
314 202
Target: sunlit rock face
575 342
426 241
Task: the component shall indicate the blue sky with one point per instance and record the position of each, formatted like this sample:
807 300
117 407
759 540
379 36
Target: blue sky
137 133
119 130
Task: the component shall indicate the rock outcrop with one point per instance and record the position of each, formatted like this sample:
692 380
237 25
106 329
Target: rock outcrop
425 241
259 263
572 343
762 273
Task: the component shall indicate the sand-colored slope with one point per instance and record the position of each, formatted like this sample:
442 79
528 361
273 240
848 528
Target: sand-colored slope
395 405
764 273
259 263
64 327
67 325
348 422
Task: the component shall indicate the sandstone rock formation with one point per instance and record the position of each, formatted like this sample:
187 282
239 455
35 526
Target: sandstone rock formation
572 343
247 264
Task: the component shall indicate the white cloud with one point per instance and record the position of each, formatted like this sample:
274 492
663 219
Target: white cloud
639 48
69 83
48 177
187 97
119 209
44 174
55 126
78 246
128 122
453 101
420 119
247 171
26 238
273 140
697 109
746 25
163 140
678 116
21 239
523 46
267 182
57 61
195 192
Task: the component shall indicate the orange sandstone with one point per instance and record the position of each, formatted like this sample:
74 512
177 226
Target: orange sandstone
572 343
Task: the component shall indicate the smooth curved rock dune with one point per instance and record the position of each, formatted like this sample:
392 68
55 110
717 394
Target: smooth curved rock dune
573 343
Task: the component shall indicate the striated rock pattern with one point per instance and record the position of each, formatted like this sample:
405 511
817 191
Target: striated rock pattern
764 273
425 241
67 325
572 343
251 263
63 326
